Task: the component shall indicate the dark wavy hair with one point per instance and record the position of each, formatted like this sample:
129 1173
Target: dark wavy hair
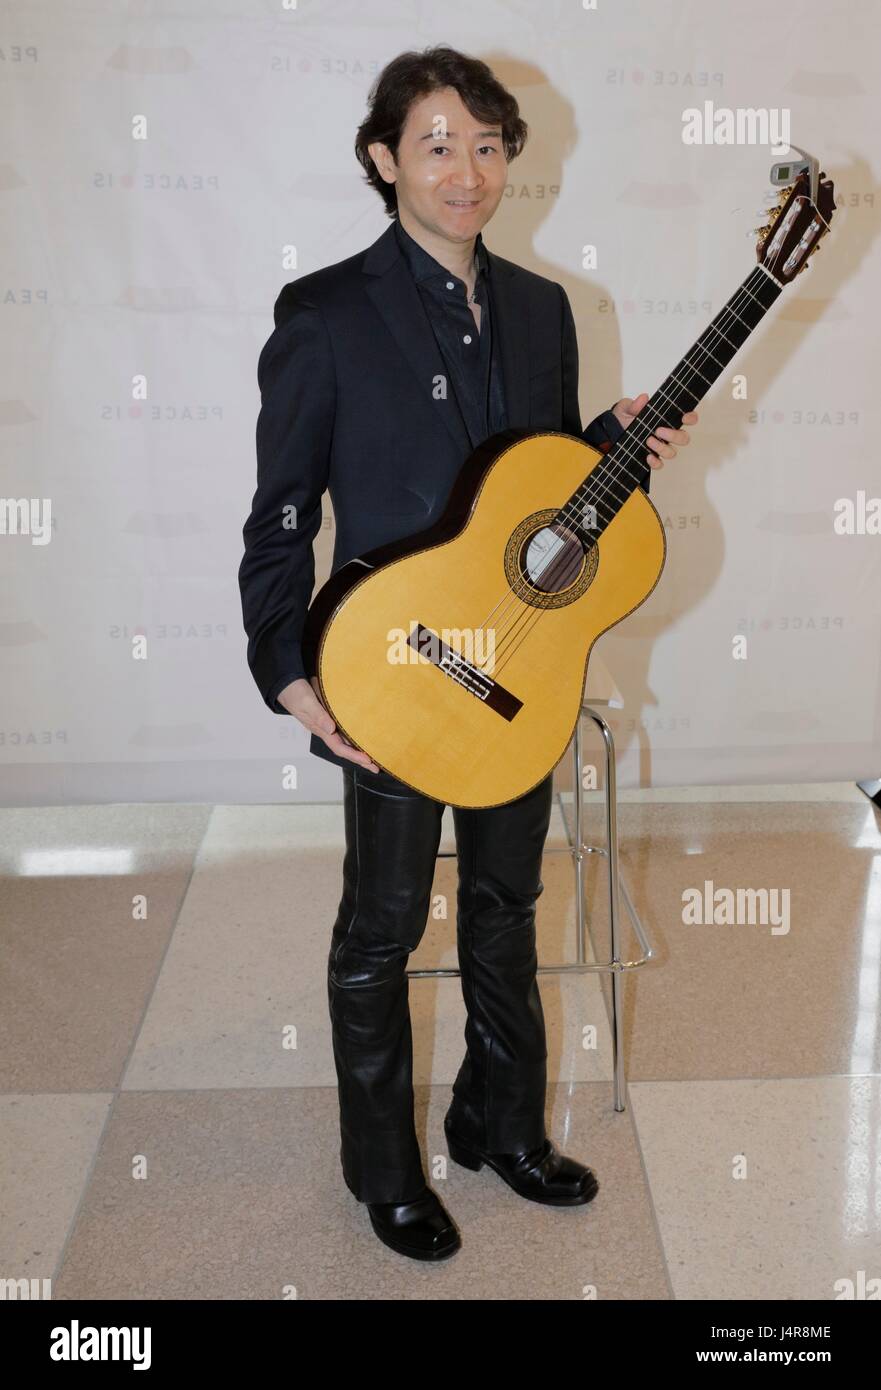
411 76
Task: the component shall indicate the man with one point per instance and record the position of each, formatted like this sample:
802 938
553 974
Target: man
382 375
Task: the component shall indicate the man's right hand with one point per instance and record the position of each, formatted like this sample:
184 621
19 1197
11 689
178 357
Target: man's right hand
300 699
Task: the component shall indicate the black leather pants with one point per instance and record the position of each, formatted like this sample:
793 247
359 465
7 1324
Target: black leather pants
392 838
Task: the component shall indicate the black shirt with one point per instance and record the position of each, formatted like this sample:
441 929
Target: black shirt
471 358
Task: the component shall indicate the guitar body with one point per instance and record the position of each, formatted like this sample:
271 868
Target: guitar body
447 730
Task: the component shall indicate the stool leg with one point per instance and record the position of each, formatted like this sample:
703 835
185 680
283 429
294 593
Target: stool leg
614 910
578 846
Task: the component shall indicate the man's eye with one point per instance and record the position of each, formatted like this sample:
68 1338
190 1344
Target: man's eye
491 148
438 147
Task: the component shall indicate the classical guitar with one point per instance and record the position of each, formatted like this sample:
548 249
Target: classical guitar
456 658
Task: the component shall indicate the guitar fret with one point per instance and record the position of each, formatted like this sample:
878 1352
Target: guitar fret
682 386
612 481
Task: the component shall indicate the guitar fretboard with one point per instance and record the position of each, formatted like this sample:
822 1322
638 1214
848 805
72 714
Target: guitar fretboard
602 494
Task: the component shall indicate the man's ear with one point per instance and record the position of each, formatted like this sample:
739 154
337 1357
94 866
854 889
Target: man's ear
384 160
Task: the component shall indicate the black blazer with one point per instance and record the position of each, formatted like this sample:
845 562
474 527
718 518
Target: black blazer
347 382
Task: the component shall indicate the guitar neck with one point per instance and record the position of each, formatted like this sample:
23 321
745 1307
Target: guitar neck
606 489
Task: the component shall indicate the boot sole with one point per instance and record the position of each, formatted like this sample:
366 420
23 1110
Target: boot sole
413 1252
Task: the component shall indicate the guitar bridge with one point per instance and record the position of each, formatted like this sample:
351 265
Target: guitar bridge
464 673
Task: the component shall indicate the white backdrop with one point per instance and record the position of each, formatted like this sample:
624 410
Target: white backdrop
161 258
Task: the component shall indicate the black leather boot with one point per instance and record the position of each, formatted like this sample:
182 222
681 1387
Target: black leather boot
422 1229
541 1174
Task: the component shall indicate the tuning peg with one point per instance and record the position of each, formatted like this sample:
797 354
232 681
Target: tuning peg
773 214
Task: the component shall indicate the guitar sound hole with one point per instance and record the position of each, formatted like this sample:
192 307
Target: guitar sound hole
551 559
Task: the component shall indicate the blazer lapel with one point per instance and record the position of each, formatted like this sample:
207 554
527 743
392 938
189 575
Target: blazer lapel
512 332
395 296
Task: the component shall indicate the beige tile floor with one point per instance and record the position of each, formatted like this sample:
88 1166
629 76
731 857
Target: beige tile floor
168 1111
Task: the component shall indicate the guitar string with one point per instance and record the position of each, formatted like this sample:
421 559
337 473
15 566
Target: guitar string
736 299
618 470
615 472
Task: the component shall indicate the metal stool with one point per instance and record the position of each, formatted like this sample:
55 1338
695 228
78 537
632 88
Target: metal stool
617 889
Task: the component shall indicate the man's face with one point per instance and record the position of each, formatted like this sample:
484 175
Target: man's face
450 170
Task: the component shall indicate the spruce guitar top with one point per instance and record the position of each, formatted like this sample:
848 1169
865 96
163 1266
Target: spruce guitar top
456 658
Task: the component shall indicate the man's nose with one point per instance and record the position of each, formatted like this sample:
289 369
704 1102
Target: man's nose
467 174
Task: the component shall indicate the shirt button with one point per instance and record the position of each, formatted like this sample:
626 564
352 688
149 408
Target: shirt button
467 338
450 285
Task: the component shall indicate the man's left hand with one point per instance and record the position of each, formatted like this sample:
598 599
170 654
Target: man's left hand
661 443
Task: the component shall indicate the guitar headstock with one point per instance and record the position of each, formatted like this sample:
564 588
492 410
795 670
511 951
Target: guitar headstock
797 225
